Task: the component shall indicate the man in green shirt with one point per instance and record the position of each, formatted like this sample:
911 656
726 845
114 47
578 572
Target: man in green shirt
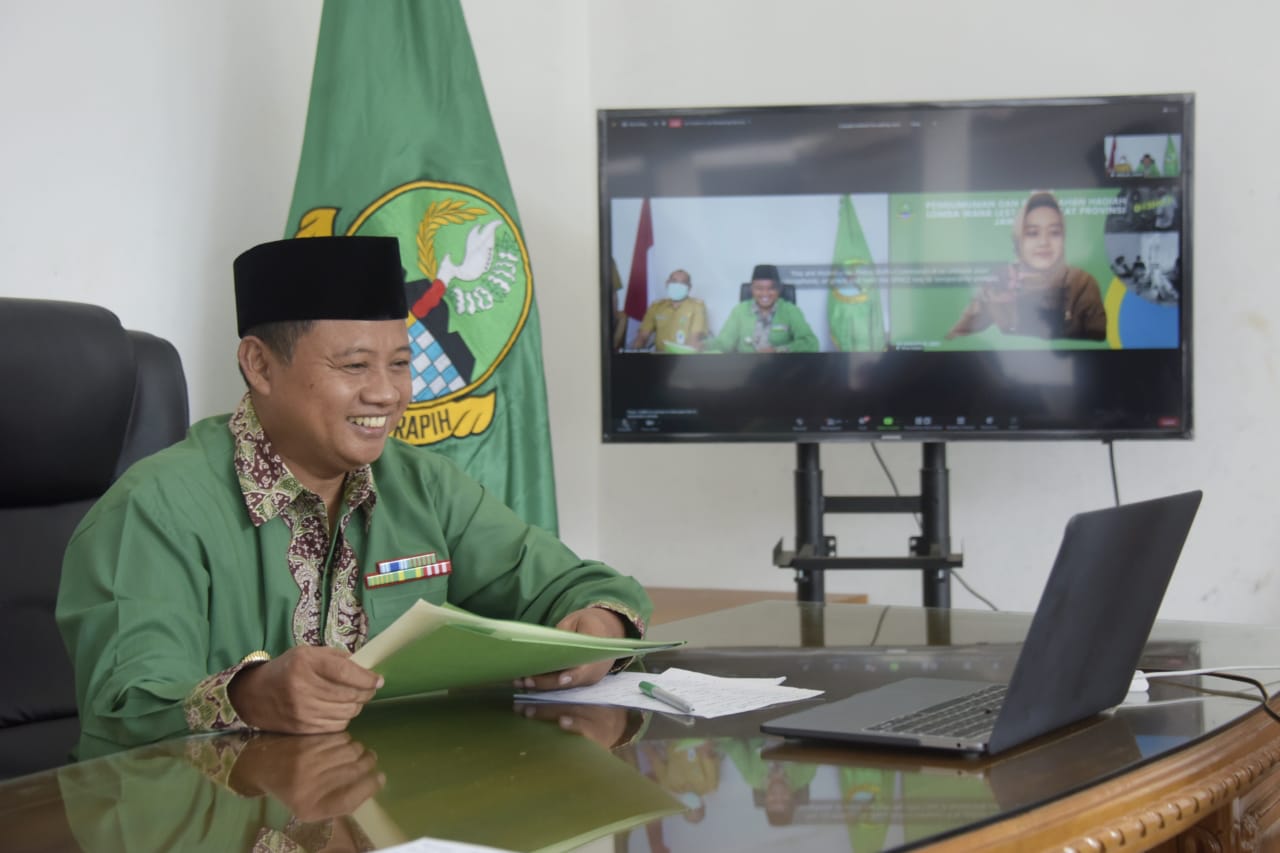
776 786
767 323
224 583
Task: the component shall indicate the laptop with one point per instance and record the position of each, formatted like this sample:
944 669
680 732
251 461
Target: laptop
1076 758
1078 659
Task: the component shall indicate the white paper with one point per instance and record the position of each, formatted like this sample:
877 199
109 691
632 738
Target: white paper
439 845
710 695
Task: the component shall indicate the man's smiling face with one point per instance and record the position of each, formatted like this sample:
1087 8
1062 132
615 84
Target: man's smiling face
329 409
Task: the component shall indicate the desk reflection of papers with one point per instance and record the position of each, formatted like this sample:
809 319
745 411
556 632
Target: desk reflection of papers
556 790
468 769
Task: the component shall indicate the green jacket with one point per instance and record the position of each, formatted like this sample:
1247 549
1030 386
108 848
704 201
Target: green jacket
789 331
167 581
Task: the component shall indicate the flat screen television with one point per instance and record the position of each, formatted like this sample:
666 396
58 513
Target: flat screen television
929 271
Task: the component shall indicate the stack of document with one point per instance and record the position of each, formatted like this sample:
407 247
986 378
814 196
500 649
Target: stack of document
435 648
702 695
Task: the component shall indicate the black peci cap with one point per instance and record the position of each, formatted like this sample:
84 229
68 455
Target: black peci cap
319 278
768 271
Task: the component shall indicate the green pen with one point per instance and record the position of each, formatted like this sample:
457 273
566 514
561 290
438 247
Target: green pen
655 692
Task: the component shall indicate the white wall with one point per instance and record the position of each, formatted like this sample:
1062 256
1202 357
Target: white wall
146 143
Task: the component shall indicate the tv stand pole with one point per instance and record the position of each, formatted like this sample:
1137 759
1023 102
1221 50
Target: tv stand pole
810 583
935 524
815 551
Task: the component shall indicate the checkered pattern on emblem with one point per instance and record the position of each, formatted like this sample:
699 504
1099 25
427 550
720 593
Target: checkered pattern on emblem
433 372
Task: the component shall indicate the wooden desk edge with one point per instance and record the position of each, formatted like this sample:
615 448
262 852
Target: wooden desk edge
1192 792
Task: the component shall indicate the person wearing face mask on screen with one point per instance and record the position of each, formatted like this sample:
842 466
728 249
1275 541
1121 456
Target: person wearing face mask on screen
676 324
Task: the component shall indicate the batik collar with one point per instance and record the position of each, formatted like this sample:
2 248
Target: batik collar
267 483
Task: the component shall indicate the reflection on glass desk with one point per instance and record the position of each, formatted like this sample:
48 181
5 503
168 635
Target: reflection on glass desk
472 767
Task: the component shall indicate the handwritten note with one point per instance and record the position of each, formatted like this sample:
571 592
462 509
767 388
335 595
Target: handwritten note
710 695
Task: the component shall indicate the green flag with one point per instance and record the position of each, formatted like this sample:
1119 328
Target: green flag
1172 168
399 142
853 301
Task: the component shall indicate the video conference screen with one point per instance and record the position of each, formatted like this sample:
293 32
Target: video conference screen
941 271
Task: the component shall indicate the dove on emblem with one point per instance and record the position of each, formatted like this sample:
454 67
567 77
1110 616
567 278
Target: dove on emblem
478 257
448 363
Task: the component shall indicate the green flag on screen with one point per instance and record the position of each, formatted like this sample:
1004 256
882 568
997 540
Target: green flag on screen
399 142
853 301
1172 168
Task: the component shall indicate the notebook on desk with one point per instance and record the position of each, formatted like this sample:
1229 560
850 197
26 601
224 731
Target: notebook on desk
1078 659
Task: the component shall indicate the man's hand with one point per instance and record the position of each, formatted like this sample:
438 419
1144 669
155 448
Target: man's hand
316 777
307 690
595 621
603 724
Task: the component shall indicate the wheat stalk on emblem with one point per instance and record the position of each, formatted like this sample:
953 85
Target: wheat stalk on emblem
449 211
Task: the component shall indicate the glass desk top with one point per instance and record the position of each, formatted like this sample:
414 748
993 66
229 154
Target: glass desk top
475 767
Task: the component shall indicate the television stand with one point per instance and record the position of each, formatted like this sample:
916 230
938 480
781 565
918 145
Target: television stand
815 552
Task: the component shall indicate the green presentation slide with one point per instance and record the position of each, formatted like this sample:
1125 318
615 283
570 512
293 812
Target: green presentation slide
948 248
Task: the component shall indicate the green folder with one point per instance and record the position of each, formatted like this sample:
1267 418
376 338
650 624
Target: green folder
465 768
479 773
435 648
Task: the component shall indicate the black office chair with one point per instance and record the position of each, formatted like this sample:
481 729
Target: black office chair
83 399
788 292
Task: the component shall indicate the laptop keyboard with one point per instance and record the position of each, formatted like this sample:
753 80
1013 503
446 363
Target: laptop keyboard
970 716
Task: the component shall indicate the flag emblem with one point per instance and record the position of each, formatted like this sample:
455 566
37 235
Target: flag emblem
467 284
399 142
